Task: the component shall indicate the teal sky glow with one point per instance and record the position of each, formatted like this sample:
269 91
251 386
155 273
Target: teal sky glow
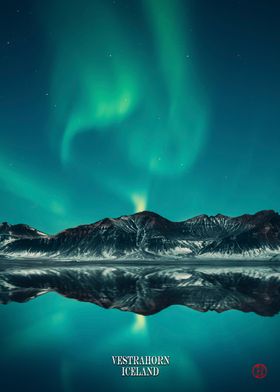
112 107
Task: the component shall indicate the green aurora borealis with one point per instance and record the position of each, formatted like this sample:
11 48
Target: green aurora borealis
110 107
102 83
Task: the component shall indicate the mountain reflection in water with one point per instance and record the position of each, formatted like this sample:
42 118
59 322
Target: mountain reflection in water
147 288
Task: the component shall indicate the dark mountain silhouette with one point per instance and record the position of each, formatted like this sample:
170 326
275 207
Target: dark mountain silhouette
149 235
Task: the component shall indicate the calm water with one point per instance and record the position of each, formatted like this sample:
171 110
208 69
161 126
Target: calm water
58 344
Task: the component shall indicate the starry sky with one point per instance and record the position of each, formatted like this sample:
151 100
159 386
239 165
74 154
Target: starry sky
108 107
115 106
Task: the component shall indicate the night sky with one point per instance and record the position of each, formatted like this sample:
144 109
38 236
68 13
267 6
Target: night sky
108 107
115 106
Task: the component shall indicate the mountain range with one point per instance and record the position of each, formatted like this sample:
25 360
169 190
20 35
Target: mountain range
147 235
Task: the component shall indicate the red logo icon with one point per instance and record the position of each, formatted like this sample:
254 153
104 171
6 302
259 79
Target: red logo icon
259 370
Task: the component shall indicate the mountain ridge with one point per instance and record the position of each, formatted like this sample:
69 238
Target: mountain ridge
149 235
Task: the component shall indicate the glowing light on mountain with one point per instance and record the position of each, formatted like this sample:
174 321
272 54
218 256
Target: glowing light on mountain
140 202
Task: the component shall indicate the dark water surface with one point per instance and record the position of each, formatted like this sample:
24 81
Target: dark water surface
54 343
